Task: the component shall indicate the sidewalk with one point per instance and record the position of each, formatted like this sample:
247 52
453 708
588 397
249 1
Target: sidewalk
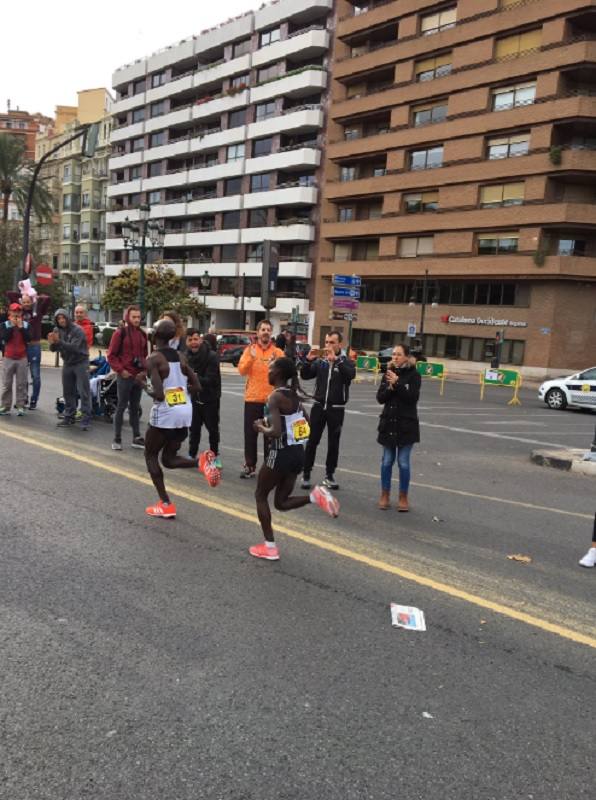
566 459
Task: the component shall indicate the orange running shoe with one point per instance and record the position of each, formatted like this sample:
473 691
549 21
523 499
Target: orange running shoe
165 510
262 551
208 467
325 500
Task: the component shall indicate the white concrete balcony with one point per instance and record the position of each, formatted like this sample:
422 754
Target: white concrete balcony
279 233
208 238
115 217
304 157
170 89
128 103
127 132
215 173
168 150
211 140
166 181
287 269
219 104
114 244
126 160
171 54
128 187
303 83
168 210
175 240
228 270
274 13
210 206
304 119
177 117
312 43
299 195
218 72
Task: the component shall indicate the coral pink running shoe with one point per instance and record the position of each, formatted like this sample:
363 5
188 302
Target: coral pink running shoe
262 551
325 500
165 510
209 468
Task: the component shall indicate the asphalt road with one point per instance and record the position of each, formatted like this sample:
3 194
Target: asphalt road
155 659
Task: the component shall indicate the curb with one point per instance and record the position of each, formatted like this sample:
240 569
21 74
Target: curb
564 460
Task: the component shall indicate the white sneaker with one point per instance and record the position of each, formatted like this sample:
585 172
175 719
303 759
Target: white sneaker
589 560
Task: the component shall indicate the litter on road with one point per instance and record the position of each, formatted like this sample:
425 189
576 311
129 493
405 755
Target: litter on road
521 558
408 617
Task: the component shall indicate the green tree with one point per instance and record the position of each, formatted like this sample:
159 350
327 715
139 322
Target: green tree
11 249
16 174
163 290
55 292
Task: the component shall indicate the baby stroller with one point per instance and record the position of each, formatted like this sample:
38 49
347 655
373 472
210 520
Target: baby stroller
104 393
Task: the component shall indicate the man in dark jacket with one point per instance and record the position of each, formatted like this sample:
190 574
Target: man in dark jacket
334 372
127 356
70 341
205 408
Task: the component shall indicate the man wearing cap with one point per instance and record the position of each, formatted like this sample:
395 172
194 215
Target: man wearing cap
34 306
15 334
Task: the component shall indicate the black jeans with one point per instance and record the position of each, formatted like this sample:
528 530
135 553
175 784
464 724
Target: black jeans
129 394
252 412
333 418
206 414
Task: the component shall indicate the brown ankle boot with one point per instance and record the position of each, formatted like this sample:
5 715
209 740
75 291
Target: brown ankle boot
402 504
385 501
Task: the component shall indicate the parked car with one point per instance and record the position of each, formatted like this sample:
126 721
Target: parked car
229 341
232 355
99 328
577 390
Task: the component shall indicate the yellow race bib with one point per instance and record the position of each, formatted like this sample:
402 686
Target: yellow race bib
175 397
300 430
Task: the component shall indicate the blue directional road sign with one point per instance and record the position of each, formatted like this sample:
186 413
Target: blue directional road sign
341 291
347 280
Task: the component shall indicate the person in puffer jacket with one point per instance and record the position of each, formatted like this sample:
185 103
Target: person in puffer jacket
70 341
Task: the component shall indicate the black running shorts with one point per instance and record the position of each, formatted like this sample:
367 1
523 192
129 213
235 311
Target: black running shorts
288 460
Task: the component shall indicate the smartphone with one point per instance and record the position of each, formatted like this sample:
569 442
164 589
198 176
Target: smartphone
315 351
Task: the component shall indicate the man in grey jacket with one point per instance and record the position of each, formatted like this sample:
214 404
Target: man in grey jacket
70 341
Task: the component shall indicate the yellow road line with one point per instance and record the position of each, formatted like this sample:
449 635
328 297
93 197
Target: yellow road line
352 555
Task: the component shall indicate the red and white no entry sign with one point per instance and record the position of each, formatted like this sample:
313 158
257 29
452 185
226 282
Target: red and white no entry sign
44 274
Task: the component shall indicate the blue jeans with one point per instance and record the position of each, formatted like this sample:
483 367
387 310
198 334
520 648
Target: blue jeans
403 462
34 359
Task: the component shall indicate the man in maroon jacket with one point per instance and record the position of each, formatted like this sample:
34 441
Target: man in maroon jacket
127 355
34 308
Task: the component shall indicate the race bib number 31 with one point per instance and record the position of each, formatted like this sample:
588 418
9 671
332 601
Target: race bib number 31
175 397
301 430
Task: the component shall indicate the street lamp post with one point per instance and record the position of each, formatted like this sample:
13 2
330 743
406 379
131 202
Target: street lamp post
412 304
205 283
136 237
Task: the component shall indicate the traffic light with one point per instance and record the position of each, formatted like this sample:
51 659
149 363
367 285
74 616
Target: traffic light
270 274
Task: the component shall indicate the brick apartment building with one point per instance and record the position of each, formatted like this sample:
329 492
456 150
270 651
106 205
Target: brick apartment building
221 135
462 151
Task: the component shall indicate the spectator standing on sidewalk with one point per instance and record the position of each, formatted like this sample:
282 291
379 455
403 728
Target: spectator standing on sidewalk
82 320
254 365
34 306
15 334
334 372
589 560
205 405
69 340
127 356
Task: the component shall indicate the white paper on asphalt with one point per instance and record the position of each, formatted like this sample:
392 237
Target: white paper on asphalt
408 617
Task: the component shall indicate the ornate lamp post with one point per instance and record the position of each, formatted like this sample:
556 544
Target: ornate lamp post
144 236
434 304
205 284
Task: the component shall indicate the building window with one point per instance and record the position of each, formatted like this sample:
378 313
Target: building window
237 118
66 232
427 159
346 214
138 144
242 48
231 220
136 173
154 197
229 253
269 37
512 96
428 114
85 200
431 68
67 203
85 230
138 115
504 194
84 260
240 82
157 109
421 201
260 183
67 172
265 110
139 86
158 79
257 218
235 152
499 244
366 250
157 139
155 168
65 260
416 246
262 147
233 186
517 144
513 46
347 174
268 73
571 247
439 21
255 252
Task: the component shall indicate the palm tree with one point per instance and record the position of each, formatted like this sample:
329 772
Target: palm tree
15 179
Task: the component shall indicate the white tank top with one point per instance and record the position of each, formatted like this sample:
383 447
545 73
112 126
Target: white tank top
175 411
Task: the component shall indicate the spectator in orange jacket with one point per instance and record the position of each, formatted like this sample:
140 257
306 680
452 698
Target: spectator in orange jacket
83 321
254 363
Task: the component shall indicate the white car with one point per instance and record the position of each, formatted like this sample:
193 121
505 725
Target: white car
577 390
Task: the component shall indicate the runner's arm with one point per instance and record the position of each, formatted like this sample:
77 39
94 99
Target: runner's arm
156 391
273 430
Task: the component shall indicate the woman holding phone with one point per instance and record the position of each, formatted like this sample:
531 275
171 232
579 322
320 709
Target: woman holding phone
398 428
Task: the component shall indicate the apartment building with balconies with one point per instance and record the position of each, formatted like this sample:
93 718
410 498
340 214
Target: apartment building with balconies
221 135
460 166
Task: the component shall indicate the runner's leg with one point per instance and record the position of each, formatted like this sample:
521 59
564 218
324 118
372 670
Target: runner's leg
283 499
267 480
154 442
171 460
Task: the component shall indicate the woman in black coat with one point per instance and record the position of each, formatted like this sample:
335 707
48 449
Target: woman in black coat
398 428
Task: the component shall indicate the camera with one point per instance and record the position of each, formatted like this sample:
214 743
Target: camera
137 363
